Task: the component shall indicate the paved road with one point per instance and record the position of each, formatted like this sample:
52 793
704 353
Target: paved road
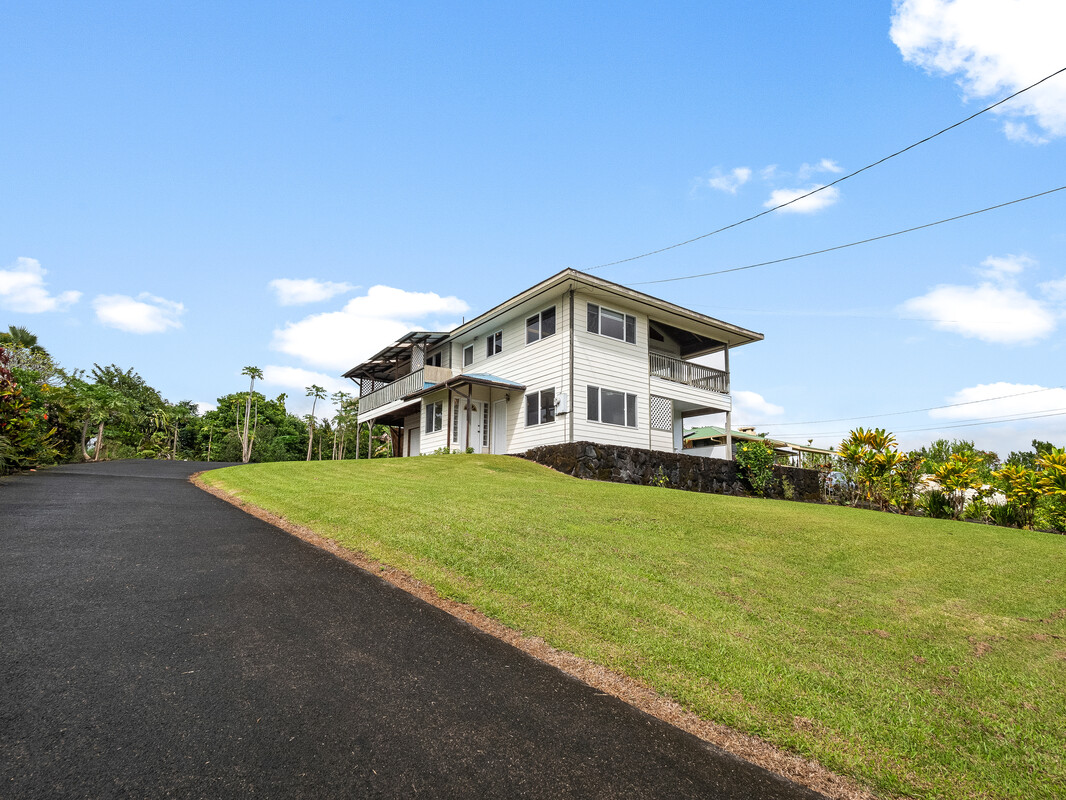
157 642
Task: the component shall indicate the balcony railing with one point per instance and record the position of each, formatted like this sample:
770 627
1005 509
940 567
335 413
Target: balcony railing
402 387
674 369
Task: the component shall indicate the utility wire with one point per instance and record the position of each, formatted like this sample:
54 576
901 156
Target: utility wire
899 413
842 315
850 244
1054 412
828 185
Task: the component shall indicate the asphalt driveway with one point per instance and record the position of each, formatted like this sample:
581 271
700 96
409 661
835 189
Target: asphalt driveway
157 642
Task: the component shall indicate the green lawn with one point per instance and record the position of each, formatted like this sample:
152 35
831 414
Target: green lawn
921 657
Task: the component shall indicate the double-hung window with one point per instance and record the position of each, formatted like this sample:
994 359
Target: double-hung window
614 408
493 344
540 326
540 407
434 417
612 323
468 355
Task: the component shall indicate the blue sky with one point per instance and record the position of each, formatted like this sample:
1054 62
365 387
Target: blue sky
193 188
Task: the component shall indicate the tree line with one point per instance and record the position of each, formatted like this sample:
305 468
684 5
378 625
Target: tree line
49 415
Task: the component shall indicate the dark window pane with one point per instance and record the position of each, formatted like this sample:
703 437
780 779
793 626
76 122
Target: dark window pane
532 329
631 410
547 322
631 329
468 355
612 407
547 405
612 324
594 318
532 409
594 404
429 418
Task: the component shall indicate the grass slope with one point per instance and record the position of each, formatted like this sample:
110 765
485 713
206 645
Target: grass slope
921 657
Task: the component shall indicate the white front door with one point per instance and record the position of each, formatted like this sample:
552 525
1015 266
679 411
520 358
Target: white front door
499 427
413 435
477 414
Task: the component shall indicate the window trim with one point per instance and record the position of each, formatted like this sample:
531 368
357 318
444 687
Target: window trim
494 344
539 321
629 323
595 413
434 417
468 349
541 407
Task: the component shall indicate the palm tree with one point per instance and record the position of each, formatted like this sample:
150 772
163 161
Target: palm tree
246 442
18 336
318 393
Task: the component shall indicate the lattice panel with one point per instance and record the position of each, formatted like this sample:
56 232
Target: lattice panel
662 413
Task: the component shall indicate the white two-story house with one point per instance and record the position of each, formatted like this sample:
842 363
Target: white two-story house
574 358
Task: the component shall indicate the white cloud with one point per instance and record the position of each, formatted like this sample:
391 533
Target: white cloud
295 292
730 181
341 339
299 379
823 199
1019 132
1005 268
203 407
993 48
1027 399
752 407
996 310
22 288
295 381
1054 291
144 314
825 165
997 314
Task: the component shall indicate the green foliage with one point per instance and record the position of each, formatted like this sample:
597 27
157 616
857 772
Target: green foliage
24 424
1006 515
660 478
788 491
876 472
937 505
1021 485
940 452
755 460
958 475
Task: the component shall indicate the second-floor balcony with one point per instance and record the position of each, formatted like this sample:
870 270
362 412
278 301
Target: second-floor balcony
696 375
399 389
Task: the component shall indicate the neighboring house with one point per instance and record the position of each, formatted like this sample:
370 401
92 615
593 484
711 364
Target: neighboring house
711 438
574 358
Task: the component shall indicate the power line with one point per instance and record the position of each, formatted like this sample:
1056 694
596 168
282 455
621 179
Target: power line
850 244
828 185
845 315
969 424
912 411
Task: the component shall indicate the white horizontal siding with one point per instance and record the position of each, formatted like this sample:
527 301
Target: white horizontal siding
539 365
610 364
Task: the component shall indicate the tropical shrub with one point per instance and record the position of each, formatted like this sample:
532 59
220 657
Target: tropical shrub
937 505
956 476
756 462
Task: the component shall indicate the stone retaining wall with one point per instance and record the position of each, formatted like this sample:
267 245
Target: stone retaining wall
675 470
